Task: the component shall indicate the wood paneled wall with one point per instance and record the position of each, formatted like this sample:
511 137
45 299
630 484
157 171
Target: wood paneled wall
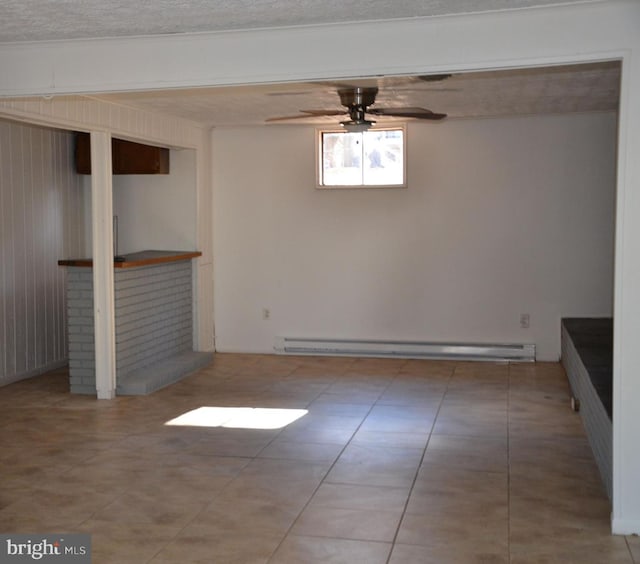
41 211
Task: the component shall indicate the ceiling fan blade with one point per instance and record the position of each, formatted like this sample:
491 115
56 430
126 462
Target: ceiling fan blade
287 118
418 113
306 114
433 77
324 112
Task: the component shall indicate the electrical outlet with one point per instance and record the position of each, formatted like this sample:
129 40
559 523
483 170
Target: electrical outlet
266 313
525 320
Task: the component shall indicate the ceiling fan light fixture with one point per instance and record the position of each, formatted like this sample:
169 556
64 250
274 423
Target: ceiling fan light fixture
357 126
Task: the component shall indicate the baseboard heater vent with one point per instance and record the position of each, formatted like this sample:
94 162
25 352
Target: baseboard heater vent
406 349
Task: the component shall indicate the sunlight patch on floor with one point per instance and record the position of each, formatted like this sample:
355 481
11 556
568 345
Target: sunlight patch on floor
238 417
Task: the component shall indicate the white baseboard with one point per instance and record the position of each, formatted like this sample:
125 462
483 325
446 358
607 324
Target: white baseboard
625 526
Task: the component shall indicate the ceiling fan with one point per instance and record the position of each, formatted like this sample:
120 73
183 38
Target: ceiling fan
357 100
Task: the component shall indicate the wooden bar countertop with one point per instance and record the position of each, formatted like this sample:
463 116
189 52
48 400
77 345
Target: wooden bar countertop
142 258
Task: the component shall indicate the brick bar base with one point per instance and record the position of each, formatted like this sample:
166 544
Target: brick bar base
154 335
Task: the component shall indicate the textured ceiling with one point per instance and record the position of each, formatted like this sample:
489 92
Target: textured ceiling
37 20
549 90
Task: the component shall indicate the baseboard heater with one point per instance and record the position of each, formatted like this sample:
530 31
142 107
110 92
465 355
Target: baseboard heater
406 349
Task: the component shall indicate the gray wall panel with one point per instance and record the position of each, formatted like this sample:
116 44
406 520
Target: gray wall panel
597 424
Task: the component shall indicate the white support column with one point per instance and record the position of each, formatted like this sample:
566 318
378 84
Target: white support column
103 291
626 374
203 269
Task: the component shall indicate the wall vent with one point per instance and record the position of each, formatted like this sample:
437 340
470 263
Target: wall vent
406 349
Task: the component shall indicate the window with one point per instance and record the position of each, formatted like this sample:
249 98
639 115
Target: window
373 158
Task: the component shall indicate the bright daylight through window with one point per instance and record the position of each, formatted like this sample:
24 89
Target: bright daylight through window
372 158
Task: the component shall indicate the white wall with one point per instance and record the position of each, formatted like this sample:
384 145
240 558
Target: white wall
41 206
501 217
157 211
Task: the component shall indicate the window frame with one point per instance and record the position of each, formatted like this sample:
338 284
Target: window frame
319 159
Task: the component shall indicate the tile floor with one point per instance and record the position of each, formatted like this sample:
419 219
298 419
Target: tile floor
396 461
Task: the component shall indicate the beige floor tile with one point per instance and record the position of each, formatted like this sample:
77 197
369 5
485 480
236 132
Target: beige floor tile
336 397
130 543
426 385
157 443
568 450
285 492
385 439
313 420
572 549
425 411
199 464
400 419
317 435
471 453
538 424
372 366
446 554
633 541
397 425
550 478
485 534
316 550
53 507
559 518
459 507
473 421
445 481
197 544
542 486
354 383
431 369
356 453
229 447
357 524
323 405
285 470
108 477
481 370
157 508
507 469
348 496
477 394
120 461
310 452
184 486
460 495
376 466
410 398
242 515
22 517
13 490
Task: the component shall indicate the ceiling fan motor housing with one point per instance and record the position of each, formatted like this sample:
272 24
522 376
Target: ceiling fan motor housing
357 100
357 96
